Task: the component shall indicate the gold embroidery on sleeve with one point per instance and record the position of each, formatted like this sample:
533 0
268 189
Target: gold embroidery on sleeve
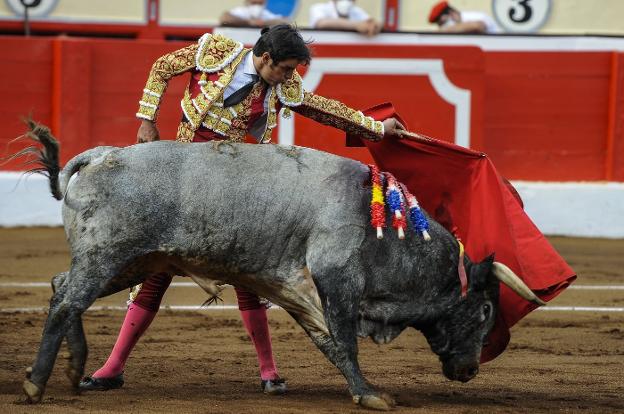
338 115
163 69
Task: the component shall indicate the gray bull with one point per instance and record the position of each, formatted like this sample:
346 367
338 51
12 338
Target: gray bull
288 223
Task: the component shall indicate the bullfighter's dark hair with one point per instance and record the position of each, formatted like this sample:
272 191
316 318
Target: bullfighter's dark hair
283 42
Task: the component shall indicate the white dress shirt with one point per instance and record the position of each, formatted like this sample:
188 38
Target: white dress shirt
320 11
477 16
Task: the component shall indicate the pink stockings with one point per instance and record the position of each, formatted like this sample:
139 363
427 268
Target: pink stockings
136 322
142 311
257 326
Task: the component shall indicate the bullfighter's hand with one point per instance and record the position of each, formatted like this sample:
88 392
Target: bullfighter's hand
393 128
147 132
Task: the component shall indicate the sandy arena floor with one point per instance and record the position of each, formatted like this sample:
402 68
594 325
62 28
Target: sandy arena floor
202 361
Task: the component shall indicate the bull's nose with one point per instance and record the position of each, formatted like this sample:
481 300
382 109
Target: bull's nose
463 373
467 374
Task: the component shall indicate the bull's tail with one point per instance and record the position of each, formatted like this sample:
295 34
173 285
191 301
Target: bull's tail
46 158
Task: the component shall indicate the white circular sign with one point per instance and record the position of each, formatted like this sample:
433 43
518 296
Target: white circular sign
521 16
40 8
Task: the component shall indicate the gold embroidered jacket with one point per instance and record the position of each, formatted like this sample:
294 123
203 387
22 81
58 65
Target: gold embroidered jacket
216 58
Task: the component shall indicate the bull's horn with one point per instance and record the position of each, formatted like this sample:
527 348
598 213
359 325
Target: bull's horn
509 278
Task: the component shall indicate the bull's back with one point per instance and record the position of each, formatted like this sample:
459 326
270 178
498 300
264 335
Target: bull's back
252 196
233 176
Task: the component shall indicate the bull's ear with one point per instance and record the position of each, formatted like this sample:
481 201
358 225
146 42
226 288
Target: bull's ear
489 260
480 272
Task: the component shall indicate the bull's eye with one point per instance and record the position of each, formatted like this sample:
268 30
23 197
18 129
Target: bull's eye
487 309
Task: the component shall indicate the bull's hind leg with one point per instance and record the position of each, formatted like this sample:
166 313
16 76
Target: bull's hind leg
72 297
339 290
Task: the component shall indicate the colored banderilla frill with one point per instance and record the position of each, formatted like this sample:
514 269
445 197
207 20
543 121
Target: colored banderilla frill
419 221
397 206
397 195
378 215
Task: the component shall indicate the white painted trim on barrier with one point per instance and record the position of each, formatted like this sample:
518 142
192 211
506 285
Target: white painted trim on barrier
43 309
502 43
579 209
432 68
25 200
567 209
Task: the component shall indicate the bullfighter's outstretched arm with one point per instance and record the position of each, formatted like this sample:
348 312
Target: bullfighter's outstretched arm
338 115
328 111
165 68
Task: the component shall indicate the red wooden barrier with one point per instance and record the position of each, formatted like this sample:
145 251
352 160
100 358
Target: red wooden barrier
552 116
546 114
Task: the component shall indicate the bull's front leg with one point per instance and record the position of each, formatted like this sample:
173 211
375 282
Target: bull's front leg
53 334
339 294
66 307
76 341
78 351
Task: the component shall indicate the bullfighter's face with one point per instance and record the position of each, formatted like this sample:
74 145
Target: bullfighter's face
276 73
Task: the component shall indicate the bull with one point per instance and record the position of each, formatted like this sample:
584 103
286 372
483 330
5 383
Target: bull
287 223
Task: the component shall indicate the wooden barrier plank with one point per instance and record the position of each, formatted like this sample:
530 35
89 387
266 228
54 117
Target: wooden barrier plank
617 161
25 89
546 114
71 95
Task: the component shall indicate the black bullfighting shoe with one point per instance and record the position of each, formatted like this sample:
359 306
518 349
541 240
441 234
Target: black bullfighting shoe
274 386
101 384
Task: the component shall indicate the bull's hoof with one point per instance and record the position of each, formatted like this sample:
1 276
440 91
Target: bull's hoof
74 376
28 372
32 391
388 398
380 402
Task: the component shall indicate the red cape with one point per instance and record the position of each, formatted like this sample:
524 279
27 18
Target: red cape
462 190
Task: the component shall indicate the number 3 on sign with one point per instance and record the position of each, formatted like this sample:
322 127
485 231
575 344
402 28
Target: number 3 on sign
521 16
526 12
